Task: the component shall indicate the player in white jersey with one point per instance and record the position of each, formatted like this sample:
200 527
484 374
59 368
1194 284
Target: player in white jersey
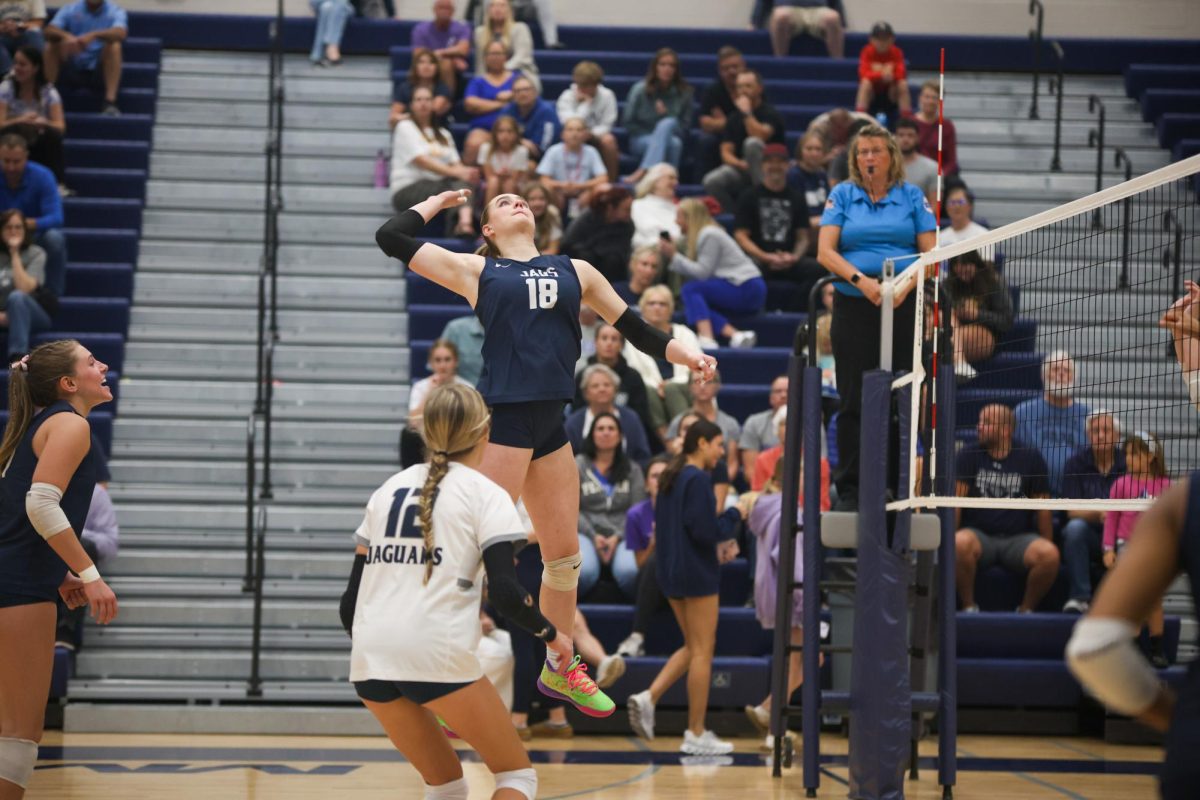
412 605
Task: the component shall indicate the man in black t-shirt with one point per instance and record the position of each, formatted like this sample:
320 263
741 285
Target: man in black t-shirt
716 107
771 225
754 125
987 536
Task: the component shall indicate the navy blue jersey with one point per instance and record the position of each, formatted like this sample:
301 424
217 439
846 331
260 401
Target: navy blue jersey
530 316
686 536
28 565
1181 771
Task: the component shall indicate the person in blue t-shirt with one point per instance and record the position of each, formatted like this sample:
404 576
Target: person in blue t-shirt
83 48
1054 423
873 216
31 189
1020 540
540 126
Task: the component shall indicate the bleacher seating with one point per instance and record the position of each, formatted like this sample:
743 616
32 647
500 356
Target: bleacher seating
1168 96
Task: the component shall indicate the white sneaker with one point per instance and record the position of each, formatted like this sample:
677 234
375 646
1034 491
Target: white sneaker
759 717
633 646
971 609
611 668
706 744
641 714
743 339
1075 607
707 343
964 372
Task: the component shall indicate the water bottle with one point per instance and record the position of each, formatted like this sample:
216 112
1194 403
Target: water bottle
381 170
882 119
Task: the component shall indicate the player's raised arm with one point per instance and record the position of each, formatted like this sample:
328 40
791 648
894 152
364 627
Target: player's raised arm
458 272
599 294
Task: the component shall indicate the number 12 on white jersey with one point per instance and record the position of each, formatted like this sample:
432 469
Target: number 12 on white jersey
543 292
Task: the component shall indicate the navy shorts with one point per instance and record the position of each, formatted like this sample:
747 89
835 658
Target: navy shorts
420 692
8 599
536 425
71 74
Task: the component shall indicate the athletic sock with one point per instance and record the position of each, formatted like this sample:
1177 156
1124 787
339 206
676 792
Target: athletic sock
552 659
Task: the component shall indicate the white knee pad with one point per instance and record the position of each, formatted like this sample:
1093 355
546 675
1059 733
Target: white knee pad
562 573
454 790
522 780
17 757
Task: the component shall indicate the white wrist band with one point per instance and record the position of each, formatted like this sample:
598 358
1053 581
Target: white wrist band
90 575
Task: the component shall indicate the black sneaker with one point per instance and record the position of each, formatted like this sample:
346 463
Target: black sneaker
110 110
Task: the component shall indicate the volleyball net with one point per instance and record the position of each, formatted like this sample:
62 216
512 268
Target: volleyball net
1054 327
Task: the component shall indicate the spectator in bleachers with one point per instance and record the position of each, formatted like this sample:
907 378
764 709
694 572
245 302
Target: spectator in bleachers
27 304
1182 319
1021 541
918 170
839 165
758 431
450 41
643 273
32 107
466 334
332 16
639 540
504 160
658 114
21 24
813 17
810 177
721 278
602 234
704 406
632 391
655 211
871 217
667 386
747 134
596 104
424 71
31 189
443 370
1054 424
573 171
547 230
981 312
927 130
835 127
500 26
600 387
771 224
882 74
960 207
486 94
717 107
690 547
540 126
609 485
84 48
425 161
1089 475
1145 478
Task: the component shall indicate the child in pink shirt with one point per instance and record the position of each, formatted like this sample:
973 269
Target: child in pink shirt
1145 477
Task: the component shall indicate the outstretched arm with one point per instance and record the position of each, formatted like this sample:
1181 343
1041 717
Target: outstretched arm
458 272
599 294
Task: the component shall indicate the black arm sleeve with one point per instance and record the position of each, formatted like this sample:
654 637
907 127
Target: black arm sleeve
395 237
509 597
350 596
638 333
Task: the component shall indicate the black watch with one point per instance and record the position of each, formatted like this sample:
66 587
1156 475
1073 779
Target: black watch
856 277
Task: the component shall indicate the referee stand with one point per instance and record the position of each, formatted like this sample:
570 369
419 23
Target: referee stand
887 701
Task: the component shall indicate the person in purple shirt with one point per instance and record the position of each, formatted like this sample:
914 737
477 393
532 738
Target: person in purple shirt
31 188
639 537
449 39
83 48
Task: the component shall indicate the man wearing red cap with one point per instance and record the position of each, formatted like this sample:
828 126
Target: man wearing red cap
754 125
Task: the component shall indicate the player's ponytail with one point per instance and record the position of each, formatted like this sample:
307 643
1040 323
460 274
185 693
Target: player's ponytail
33 384
701 429
456 417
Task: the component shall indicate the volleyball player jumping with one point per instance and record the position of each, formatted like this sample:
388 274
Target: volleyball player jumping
49 472
529 305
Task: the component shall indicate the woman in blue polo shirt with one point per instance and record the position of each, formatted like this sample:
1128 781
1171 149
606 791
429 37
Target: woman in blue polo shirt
873 216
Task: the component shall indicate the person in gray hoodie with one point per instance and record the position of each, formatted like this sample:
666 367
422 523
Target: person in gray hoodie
609 485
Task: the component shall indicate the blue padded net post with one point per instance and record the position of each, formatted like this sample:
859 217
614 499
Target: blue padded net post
947 619
810 690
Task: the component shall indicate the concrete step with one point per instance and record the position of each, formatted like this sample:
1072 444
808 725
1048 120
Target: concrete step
224 637
353 260
236 612
280 564
293 718
976 159
161 323
352 170
293 292
236 398
209 195
229 494
363 478
231 517
214 664
292 362
1041 132
295 228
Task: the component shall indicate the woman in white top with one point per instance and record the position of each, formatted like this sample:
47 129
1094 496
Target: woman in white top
721 277
654 210
412 604
32 107
443 368
960 206
500 25
425 161
668 390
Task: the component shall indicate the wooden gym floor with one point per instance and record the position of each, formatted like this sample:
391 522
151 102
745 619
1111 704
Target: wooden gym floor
222 767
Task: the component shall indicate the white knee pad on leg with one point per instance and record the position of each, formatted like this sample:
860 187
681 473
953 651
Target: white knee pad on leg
454 790
17 757
562 573
522 780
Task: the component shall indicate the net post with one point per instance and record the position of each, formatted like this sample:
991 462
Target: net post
810 690
946 589
887 291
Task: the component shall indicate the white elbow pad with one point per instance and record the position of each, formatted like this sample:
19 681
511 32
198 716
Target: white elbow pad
42 504
1102 657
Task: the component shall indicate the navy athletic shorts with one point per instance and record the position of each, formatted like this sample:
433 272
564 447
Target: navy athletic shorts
7 600
536 425
420 692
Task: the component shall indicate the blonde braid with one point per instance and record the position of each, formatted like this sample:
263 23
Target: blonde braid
439 465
